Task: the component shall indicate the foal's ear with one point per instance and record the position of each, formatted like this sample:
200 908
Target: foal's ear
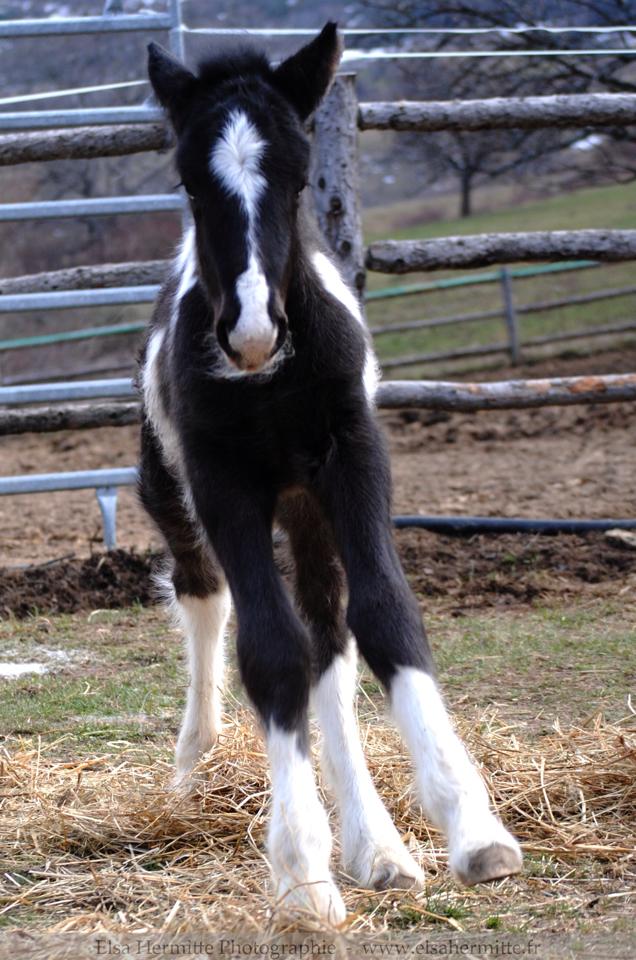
305 77
172 82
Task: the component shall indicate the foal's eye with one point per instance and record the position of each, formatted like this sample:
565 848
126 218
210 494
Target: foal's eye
190 195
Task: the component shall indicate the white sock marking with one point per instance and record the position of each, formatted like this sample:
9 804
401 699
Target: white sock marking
332 281
299 839
371 845
203 621
451 791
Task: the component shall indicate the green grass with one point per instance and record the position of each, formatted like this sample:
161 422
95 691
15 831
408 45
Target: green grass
536 665
603 207
125 678
565 661
120 694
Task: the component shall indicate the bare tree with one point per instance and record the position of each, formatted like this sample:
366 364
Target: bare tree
475 157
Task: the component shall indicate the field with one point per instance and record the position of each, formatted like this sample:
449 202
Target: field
534 639
503 210
499 209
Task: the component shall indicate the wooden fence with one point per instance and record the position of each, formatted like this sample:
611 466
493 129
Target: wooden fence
335 185
38 415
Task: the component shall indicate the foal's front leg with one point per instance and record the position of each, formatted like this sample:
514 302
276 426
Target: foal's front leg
384 617
275 663
196 590
372 851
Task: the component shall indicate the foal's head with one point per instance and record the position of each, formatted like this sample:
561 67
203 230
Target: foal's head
243 158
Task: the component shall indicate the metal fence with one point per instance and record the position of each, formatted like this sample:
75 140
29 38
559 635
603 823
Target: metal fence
110 22
530 112
335 133
510 312
436 395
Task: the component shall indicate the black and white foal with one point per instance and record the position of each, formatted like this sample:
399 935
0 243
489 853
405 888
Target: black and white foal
258 382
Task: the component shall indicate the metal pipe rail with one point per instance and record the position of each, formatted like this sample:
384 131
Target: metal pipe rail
78 480
492 276
98 207
108 23
104 482
52 119
68 336
55 392
70 299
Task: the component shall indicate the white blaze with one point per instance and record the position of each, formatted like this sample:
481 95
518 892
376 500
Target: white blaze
235 161
253 294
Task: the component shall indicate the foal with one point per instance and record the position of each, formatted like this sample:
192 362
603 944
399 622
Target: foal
258 380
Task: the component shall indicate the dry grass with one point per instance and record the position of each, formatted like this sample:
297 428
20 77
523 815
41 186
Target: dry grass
103 845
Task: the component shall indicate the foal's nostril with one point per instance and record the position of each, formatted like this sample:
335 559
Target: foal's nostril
223 337
282 326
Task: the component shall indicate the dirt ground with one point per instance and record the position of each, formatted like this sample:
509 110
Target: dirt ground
533 638
554 462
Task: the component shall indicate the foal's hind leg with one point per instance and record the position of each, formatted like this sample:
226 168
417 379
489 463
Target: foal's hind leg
196 590
372 852
385 619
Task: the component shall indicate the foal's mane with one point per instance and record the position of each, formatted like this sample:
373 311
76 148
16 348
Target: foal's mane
238 63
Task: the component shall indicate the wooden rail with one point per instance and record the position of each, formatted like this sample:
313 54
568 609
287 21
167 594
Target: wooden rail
507 394
584 110
482 250
141 273
394 394
529 113
83 143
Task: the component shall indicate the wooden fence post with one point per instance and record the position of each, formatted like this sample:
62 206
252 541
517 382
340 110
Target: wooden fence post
511 315
334 178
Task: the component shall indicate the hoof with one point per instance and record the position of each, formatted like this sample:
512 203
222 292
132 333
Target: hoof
388 875
493 862
189 752
320 898
187 782
384 867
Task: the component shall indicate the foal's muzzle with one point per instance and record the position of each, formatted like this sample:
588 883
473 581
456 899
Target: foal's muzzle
250 351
